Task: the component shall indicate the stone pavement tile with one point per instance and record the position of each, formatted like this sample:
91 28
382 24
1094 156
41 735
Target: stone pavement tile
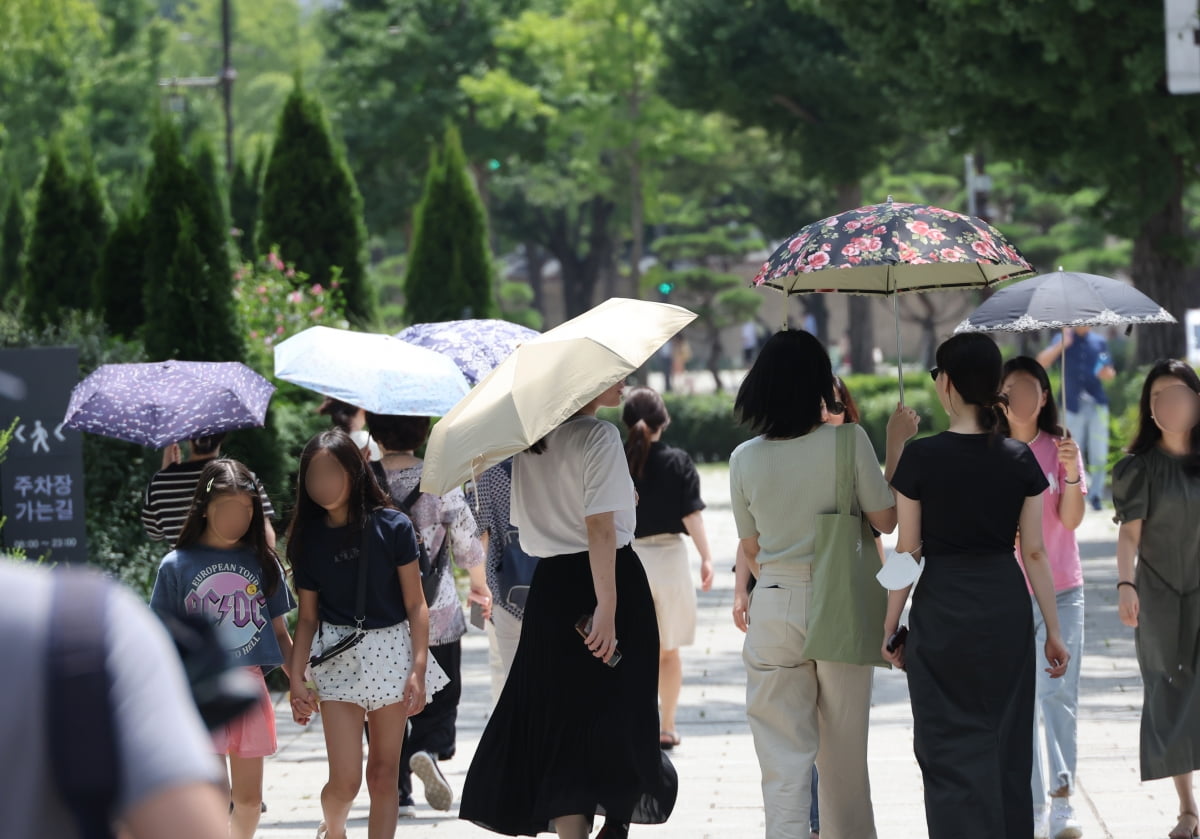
719 778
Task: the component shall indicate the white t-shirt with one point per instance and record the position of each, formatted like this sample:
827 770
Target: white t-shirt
583 472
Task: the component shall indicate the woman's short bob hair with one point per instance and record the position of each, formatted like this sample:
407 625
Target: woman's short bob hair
782 395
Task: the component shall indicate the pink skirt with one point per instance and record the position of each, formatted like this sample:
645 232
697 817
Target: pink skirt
253 733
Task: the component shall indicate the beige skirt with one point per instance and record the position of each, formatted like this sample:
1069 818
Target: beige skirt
665 558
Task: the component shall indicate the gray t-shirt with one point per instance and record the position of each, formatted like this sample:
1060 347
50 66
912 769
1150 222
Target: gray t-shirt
779 487
160 737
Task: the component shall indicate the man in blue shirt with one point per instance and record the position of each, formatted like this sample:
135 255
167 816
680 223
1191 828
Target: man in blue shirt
1088 366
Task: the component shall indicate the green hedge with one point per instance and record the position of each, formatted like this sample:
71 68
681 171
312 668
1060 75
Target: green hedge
704 425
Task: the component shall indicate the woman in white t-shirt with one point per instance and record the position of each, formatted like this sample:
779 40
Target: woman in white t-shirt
574 733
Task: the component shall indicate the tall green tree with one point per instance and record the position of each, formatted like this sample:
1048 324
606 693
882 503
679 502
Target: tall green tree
204 163
310 205
244 199
697 261
196 319
69 229
1072 90
392 77
450 272
121 278
777 65
12 245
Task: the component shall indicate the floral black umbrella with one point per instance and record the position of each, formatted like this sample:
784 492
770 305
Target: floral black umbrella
891 249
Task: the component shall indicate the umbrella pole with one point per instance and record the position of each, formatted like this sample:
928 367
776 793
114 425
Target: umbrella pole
899 349
1063 374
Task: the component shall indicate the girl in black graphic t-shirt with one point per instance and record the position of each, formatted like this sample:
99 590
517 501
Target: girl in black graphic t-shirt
960 498
384 678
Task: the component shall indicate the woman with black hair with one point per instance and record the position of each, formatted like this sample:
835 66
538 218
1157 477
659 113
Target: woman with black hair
573 734
960 497
1032 417
1156 491
669 505
780 482
383 678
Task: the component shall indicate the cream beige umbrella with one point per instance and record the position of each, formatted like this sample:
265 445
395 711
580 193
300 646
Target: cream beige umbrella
544 382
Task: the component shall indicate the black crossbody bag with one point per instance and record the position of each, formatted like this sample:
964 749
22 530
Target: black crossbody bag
360 608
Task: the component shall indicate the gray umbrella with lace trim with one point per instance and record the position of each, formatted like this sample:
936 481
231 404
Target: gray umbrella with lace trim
1063 300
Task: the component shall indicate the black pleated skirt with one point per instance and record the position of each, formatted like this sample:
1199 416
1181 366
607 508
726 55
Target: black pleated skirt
970 662
569 734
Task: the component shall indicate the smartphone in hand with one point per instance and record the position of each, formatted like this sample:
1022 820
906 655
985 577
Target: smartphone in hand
477 616
584 627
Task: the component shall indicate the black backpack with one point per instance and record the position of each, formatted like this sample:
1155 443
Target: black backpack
432 568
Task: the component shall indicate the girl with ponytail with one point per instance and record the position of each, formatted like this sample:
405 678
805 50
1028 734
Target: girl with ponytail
669 505
960 498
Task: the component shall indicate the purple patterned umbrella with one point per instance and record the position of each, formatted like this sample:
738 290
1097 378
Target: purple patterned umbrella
163 402
476 346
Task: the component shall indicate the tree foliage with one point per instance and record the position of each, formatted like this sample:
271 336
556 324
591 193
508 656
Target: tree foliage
450 272
310 206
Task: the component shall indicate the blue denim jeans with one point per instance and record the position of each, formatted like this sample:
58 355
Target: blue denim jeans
814 812
1089 427
1057 700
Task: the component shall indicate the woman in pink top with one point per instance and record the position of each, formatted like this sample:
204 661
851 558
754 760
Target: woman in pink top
1033 418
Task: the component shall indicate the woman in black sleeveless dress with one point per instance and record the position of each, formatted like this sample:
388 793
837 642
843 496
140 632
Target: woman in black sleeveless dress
575 733
960 497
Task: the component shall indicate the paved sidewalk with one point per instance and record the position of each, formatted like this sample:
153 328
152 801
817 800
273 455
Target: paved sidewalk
719 779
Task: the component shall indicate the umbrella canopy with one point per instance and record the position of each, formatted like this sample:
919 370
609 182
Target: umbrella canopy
164 402
543 383
377 372
1063 299
476 346
892 248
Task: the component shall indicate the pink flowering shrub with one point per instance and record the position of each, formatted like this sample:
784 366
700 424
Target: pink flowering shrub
276 301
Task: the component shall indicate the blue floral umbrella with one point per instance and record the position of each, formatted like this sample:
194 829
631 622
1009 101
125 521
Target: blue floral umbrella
160 403
476 346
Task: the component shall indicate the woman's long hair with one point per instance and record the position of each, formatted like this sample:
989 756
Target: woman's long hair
644 415
1148 432
972 363
226 476
1047 418
366 495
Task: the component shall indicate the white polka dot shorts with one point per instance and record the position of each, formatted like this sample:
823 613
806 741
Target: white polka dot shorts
372 673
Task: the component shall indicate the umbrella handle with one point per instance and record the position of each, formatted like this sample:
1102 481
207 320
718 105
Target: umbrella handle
899 349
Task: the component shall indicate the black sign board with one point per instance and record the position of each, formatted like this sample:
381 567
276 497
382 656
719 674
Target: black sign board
41 478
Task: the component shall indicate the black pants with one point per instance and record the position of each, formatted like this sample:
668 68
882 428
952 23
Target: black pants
434 729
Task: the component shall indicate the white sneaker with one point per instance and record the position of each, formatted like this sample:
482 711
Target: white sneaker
1041 822
437 789
1062 820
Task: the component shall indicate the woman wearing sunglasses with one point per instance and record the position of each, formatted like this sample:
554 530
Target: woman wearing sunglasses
960 497
1156 491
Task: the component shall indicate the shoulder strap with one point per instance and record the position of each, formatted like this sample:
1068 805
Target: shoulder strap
360 595
83 748
846 473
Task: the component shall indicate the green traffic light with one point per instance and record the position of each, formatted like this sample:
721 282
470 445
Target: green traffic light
493 164
665 288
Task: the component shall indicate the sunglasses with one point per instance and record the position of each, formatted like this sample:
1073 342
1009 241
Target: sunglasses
933 374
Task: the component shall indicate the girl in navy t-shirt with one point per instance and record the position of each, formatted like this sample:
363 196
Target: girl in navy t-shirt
386 676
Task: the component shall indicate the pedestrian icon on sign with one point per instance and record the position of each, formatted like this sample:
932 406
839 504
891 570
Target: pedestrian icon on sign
39 437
